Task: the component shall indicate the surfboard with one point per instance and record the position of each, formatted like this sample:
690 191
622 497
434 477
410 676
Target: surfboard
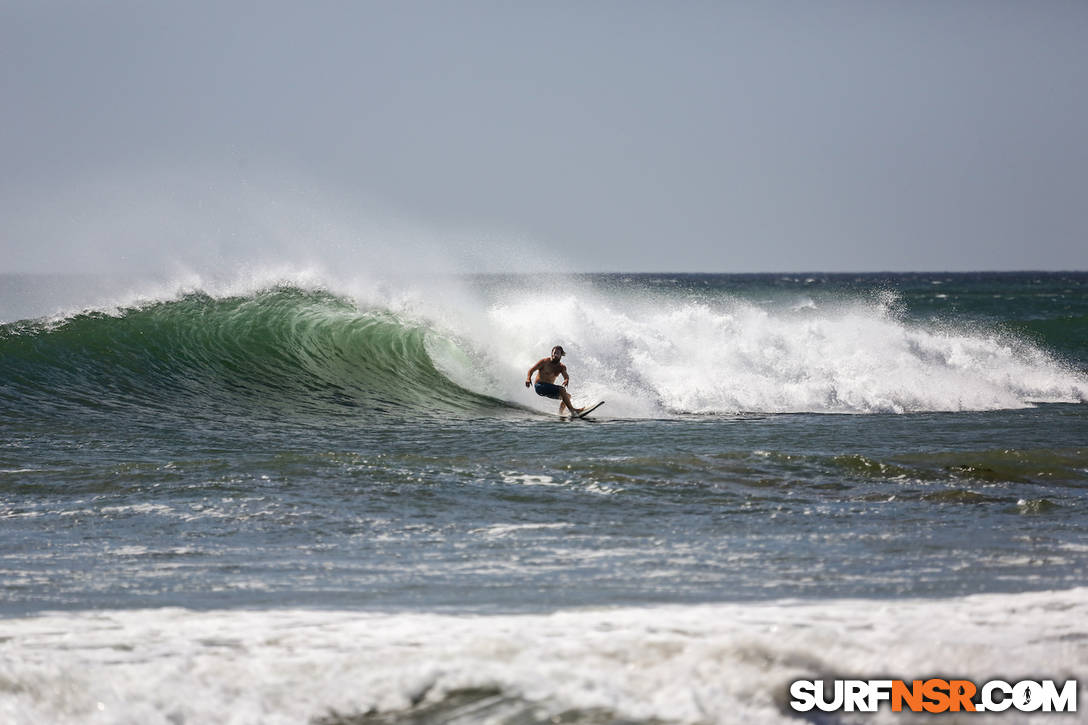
589 410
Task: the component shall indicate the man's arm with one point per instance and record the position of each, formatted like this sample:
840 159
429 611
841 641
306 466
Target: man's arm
533 369
563 372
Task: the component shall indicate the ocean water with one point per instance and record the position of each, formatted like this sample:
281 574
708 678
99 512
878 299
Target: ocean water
292 498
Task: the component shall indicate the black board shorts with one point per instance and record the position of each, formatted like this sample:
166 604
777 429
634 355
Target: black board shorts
549 390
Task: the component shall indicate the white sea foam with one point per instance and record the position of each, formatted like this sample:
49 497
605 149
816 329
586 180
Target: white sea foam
720 663
655 357
502 530
529 479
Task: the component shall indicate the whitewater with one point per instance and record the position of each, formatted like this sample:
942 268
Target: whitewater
706 663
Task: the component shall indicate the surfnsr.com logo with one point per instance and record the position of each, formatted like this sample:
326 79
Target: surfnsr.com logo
933 695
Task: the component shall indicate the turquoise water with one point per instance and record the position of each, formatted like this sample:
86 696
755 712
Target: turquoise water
878 438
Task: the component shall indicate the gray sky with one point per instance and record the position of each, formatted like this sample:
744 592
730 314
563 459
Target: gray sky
577 136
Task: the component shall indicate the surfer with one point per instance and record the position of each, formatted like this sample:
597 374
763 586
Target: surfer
547 370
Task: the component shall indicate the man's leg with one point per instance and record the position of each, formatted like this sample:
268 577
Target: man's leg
566 402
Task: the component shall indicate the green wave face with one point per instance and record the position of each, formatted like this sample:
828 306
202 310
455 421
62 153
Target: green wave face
279 352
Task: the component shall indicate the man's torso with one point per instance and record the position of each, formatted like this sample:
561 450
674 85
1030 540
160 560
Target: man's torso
549 371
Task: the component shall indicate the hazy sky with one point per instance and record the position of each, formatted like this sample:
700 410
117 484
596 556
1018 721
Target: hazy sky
578 136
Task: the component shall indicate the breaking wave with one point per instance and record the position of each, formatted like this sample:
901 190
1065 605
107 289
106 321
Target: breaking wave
289 350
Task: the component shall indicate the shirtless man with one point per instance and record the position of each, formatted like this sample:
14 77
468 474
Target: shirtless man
546 372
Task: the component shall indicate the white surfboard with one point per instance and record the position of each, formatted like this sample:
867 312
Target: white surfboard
590 409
